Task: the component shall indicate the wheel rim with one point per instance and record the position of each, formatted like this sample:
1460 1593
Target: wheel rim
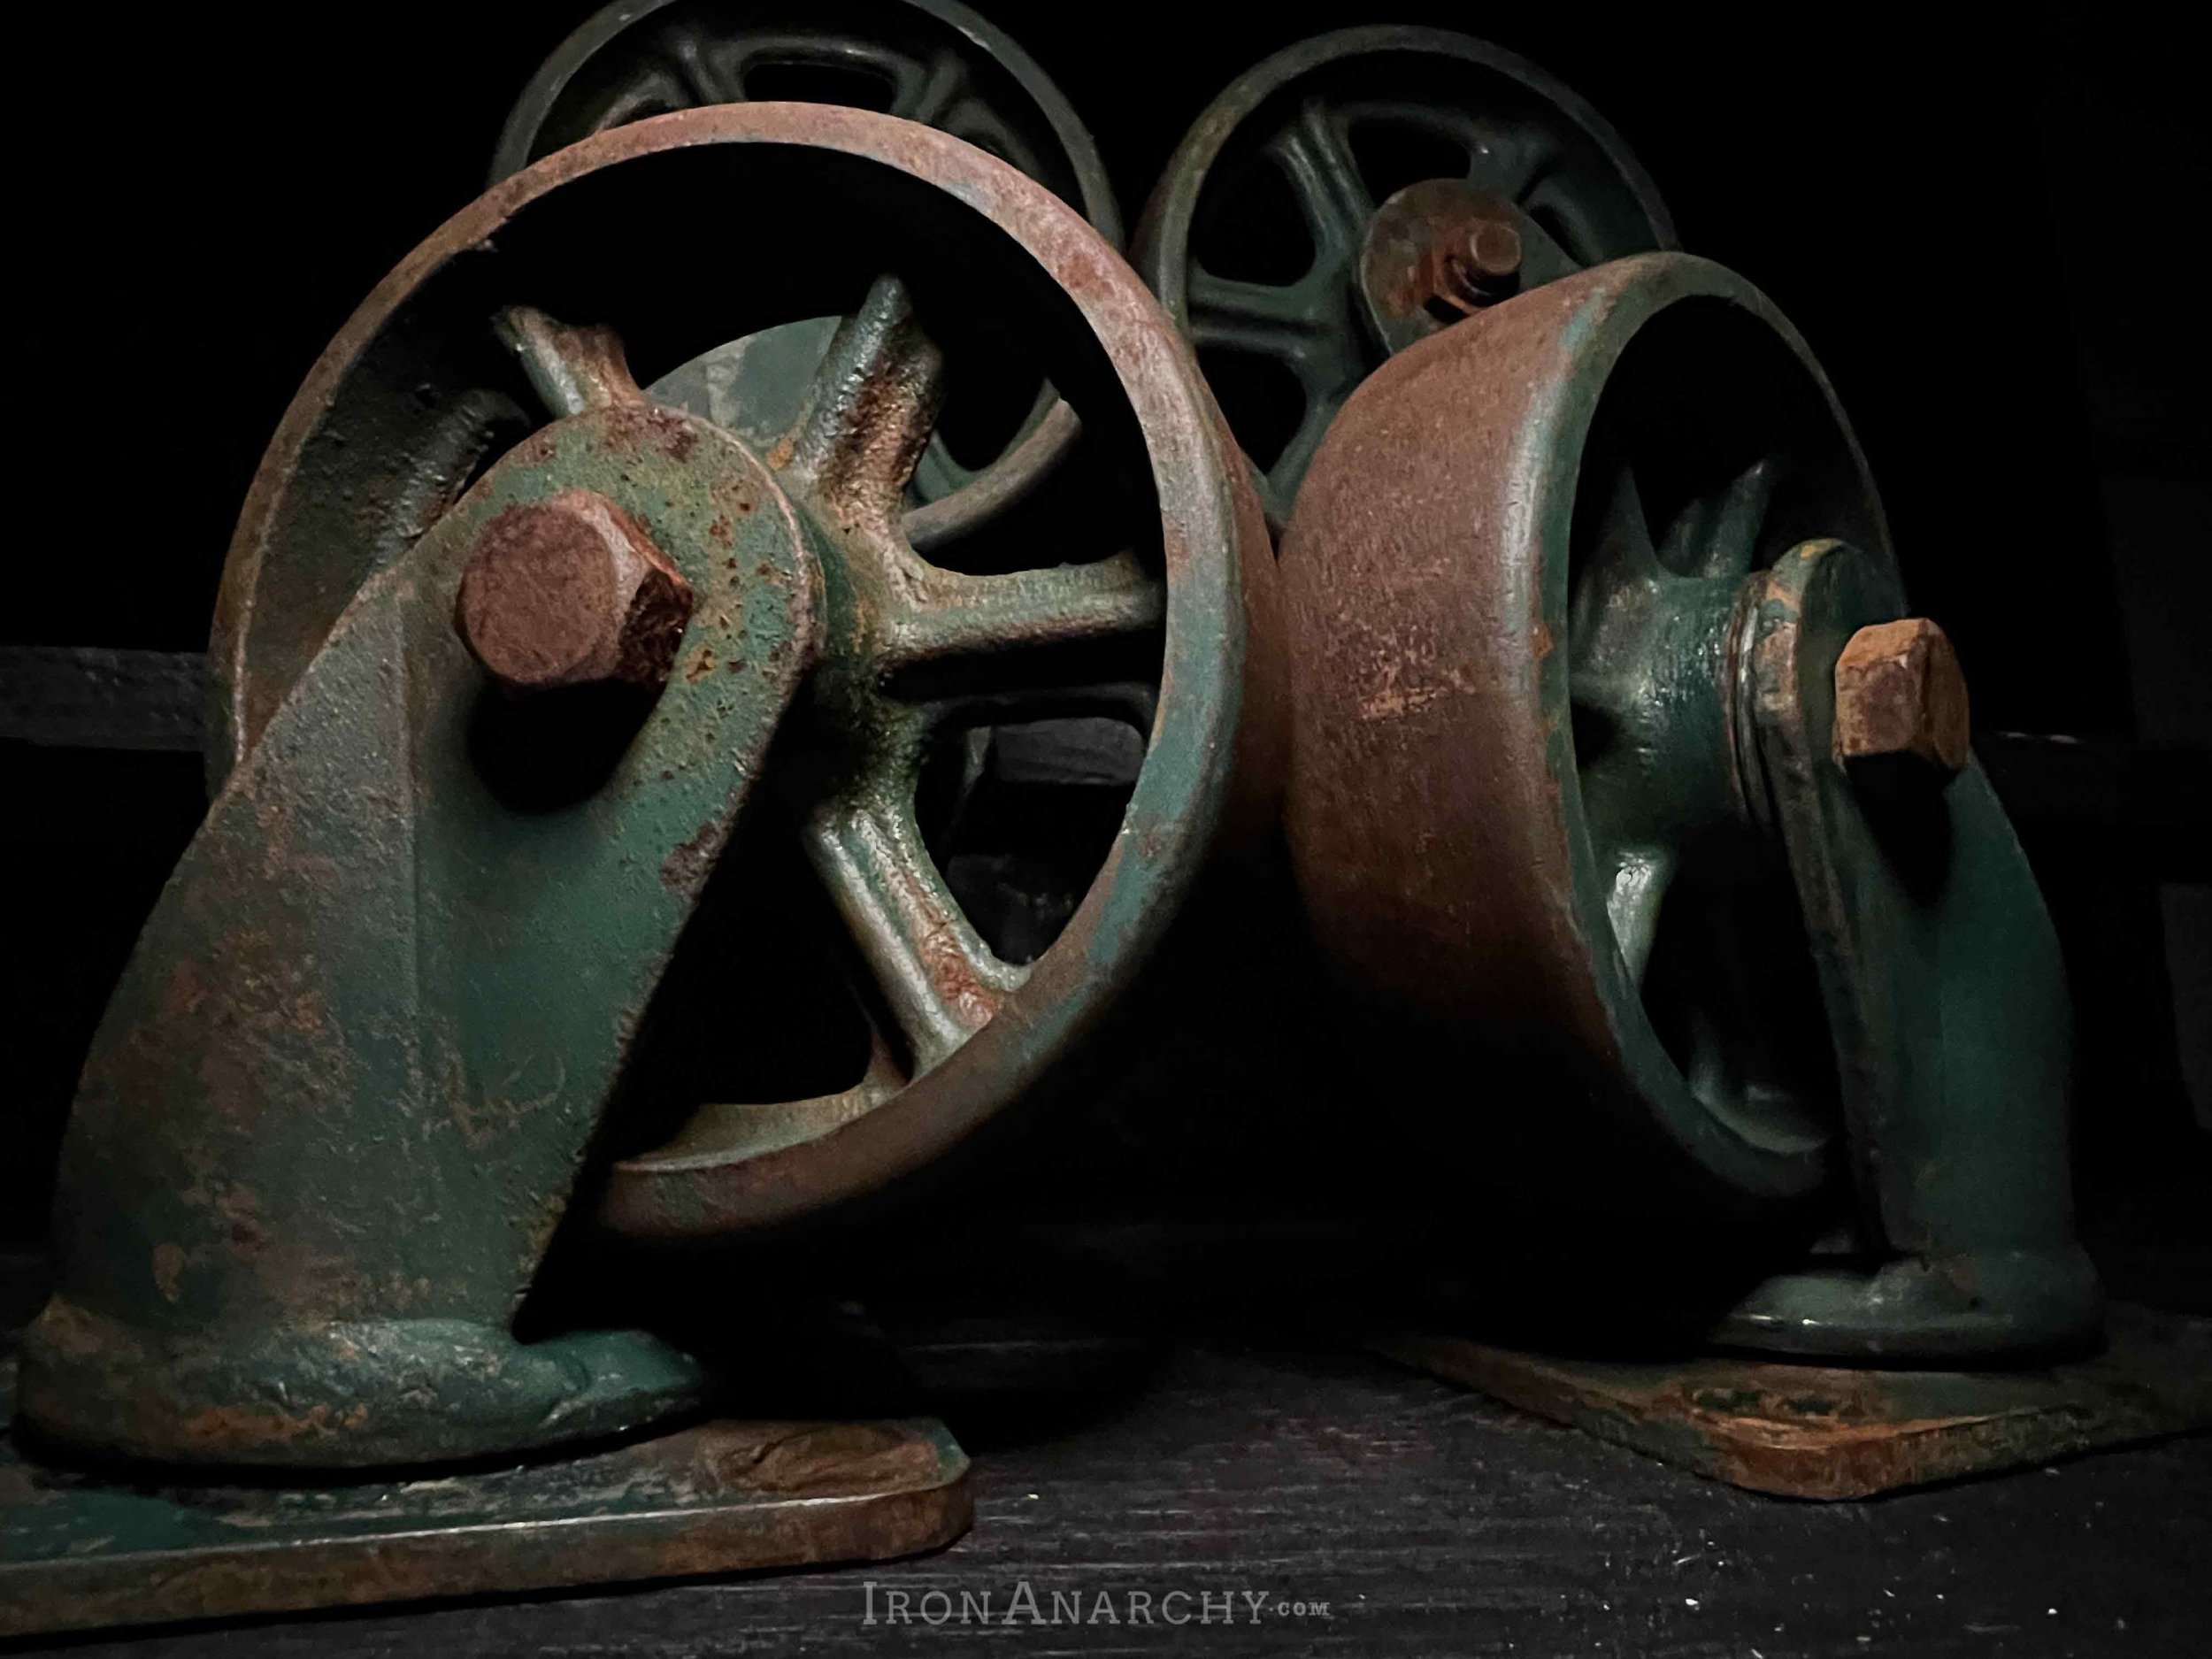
539 242
1302 117
1532 662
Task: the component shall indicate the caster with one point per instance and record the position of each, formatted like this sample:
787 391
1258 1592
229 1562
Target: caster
1619 757
609 690
1356 192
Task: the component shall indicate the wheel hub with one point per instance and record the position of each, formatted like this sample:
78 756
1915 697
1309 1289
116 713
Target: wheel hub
1315 208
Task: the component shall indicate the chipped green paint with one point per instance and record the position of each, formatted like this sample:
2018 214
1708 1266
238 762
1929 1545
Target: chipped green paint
1947 1002
337 1105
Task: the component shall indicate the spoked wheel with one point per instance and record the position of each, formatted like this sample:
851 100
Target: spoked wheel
1356 192
1119 605
931 61
1617 764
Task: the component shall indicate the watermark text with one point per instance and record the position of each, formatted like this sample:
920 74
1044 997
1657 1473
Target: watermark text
1026 1604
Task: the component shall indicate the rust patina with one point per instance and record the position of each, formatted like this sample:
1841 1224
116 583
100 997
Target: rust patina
417 388
1604 669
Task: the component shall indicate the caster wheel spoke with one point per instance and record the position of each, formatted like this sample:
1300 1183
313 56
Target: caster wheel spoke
1635 890
932 95
869 411
570 369
688 55
867 420
1614 601
1517 166
1717 536
939 980
951 614
1650 634
1315 154
1257 317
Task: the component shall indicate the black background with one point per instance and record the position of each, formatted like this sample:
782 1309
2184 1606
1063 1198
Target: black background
1986 230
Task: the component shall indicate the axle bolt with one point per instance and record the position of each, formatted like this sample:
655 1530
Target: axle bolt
1482 261
1900 701
571 591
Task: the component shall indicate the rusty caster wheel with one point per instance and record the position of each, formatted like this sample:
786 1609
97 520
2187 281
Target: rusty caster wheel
613 695
931 61
1124 611
1622 777
1358 191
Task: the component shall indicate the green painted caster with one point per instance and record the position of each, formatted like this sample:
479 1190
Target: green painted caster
1622 775
1360 190
585 693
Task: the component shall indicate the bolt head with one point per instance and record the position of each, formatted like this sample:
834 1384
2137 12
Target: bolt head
1900 698
1475 262
1490 249
571 591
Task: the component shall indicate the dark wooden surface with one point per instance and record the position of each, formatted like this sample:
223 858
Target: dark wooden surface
1431 1523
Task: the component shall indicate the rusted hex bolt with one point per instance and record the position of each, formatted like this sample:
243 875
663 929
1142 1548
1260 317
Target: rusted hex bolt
571 591
1900 701
1481 262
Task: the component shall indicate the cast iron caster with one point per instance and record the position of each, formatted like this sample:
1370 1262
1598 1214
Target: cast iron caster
1360 190
931 61
1620 768
609 677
